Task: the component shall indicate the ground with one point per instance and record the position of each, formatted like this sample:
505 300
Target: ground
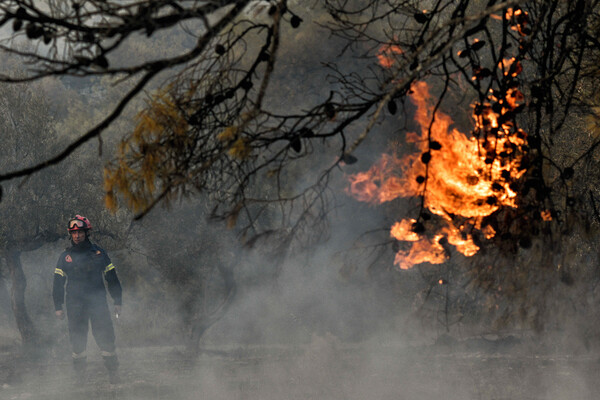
323 369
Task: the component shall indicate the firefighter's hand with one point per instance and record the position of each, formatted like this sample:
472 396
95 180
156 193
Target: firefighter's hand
117 312
59 314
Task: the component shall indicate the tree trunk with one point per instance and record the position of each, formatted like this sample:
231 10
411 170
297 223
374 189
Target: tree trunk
5 308
26 328
203 322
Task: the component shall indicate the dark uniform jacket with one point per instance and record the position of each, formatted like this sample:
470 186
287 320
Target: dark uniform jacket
83 268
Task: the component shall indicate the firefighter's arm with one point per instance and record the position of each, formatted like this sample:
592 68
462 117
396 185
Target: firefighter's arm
58 292
114 285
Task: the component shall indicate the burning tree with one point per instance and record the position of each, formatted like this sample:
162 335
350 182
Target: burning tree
222 123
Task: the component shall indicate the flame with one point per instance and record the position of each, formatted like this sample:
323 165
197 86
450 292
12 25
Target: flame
424 250
460 177
546 215
521 20
386 54
510 67
403 230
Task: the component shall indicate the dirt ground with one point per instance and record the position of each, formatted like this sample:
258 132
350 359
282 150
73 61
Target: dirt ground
323 369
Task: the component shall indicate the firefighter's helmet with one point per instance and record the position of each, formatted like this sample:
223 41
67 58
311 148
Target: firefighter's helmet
78 222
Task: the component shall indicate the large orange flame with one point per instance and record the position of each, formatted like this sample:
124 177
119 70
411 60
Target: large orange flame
459 177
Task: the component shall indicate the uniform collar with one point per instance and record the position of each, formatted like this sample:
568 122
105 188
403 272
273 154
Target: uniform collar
81 247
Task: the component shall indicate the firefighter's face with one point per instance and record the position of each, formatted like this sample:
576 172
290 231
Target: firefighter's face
78 236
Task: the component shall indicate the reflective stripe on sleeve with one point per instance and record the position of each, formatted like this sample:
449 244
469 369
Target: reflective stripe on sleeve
59 272
109 267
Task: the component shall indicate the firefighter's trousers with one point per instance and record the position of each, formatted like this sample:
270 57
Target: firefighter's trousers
82 311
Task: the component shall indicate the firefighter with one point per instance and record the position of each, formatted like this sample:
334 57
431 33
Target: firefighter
80 270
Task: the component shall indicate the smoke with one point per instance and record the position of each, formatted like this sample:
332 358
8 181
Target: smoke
335 321
308 331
